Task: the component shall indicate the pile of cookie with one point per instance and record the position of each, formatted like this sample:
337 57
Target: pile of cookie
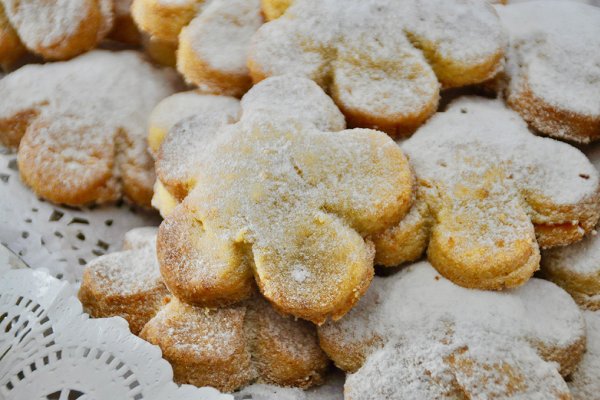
362 199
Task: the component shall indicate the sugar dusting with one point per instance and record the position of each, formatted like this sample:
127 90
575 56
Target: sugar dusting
302 193
484 134
95 102
368 52
47 23
134 270
585 381
432 329
221 34
554 48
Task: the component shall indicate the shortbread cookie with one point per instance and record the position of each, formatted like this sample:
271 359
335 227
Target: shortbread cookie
200 117
585 380
11 48
81 126
576 268
226 348
416 335
212 38
58 30
382 61
126 283
285 197
553 67
232 347
496 193
333 389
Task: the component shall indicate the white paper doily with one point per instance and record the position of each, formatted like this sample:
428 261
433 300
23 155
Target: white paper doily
50 349
59 239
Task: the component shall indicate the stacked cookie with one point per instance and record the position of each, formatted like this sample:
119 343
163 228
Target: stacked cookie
296 230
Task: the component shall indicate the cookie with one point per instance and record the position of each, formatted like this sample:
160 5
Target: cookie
58 30
552 72
126 283
494 195
234 346
226 348
576 268
584 382
284 198
200 116
11 48
212 39
416 335
333 389
80 126
383 61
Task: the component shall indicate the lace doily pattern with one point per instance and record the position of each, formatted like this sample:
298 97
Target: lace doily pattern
50 349
60 239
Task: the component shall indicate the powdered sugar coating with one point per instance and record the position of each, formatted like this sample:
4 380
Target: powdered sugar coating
577 267
48 26
495 194
211 38
278 192
133 270
333 389
486 131
416 333
221 34
551 56
379 58
90 110
585 380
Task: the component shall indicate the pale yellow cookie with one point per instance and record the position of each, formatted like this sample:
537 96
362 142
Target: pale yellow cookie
576 268
383 61
493 196
81 126
231 347
553 67
62 29
285 198
211 39
415 335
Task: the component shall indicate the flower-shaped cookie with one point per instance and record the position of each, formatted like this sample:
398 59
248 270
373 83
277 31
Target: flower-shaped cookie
81 126
382 61
585 379
285 197
56 30
553 67
212 38
226 348
576 268
416 335
494 194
